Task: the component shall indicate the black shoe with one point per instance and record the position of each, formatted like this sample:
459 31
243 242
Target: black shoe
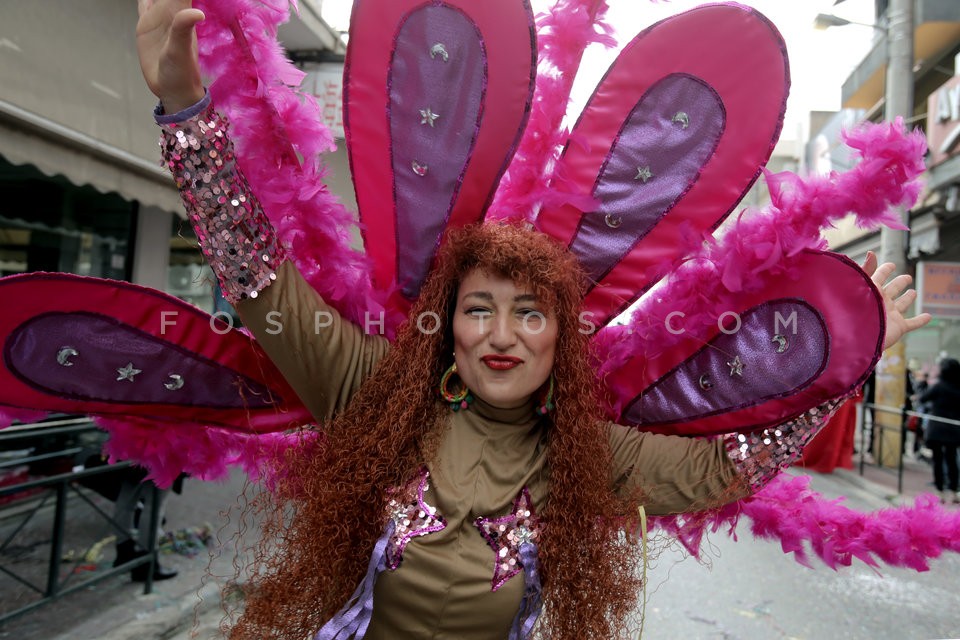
128 551
139 574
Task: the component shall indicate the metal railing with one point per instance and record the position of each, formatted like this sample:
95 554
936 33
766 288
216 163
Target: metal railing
869 428
60 487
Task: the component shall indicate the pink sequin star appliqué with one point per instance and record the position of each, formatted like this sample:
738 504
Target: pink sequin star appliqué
411 516
506 534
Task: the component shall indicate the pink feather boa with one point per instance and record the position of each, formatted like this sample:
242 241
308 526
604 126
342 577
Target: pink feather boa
203 452
803 521
531 179
9 415
279 136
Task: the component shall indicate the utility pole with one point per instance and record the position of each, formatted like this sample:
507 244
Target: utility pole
891 374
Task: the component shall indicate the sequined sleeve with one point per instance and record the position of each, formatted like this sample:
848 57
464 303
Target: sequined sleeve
760 456
322 356
234 234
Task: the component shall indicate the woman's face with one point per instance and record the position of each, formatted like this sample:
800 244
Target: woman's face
504 339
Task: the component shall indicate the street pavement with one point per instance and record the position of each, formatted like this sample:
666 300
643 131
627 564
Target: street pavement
745 590
117 608
751 590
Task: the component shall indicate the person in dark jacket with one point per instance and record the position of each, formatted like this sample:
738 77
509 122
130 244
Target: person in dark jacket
943 401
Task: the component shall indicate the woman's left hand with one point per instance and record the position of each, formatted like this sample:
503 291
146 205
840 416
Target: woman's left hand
895 300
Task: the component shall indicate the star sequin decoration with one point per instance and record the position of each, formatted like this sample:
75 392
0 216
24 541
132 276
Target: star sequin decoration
506 535
644 174
127 373
736 367
411 516
427 116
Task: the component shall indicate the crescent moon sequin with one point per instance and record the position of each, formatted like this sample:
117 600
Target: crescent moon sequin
612 221
176 382
781 341
439 50
705 383
681 118
64 355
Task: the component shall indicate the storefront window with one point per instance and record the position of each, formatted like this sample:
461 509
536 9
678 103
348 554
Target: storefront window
190 278
49 224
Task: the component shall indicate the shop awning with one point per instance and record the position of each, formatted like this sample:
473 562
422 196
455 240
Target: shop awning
73 101
83 160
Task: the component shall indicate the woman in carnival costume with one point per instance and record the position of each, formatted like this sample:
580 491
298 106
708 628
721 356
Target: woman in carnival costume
459 515
469 478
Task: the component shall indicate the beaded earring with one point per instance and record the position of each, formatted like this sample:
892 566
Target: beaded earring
458 400
546 403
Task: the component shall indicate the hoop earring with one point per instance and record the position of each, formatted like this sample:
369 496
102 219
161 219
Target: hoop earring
546 402
459 400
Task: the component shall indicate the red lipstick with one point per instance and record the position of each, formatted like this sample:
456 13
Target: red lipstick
501 363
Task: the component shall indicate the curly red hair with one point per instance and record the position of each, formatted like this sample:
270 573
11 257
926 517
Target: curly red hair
320 533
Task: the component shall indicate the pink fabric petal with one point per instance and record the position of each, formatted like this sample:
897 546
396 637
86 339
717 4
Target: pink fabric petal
279 137
760 244
562 35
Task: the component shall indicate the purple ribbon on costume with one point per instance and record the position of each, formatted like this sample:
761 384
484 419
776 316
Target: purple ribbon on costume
532 601
354 618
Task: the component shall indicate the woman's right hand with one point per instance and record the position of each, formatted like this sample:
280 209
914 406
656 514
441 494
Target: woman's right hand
167 46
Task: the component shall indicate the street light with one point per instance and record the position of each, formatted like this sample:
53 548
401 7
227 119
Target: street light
824 21
898 93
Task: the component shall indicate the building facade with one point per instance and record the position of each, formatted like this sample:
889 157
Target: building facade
81 186
82 189
934 236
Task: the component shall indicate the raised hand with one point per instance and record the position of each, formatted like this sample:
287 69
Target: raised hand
895 300
167 46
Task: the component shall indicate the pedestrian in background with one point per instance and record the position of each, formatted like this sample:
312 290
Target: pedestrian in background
943 401
132 494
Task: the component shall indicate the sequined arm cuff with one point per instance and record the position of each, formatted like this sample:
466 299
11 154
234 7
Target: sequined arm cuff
760 456
235 235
